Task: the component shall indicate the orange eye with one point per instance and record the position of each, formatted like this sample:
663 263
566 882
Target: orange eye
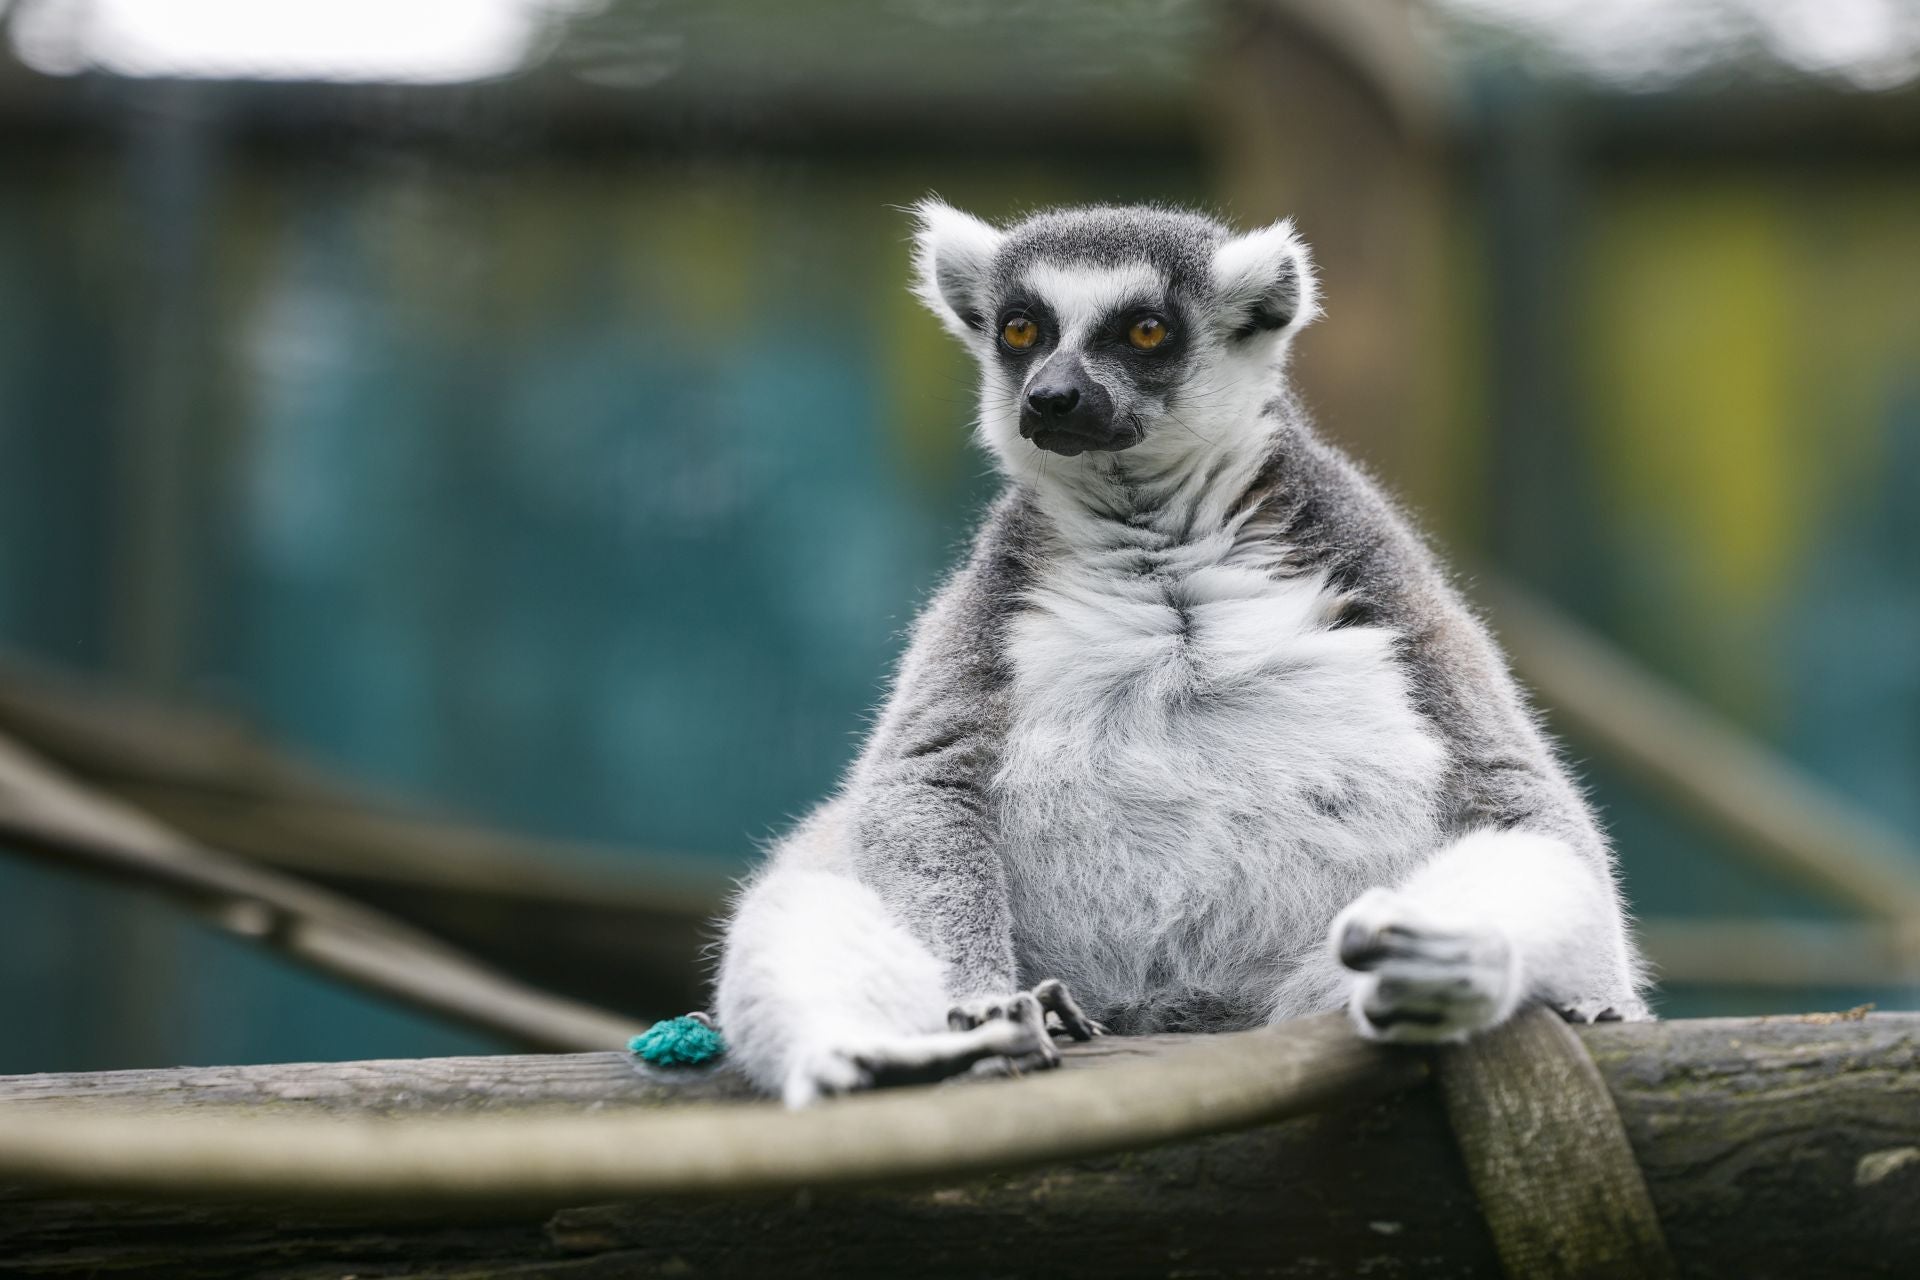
1020 333
1147 333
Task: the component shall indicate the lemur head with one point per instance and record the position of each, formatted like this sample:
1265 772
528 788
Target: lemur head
1108 328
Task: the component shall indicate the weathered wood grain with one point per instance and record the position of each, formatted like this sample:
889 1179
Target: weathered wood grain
1176 1092
1771 1147
402 1086
1775 1146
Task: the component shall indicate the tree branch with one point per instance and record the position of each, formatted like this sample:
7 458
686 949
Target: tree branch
43 813
624 926
1775 814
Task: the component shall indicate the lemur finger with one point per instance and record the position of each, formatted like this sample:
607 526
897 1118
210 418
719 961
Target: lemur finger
1026 1011
1059 1028
971 1013
1059 1012
1428 986
1366 946
1422 1013
925 1059
1360 932
1360 946
1058 1001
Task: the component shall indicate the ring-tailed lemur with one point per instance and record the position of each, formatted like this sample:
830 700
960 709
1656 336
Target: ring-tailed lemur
1200 728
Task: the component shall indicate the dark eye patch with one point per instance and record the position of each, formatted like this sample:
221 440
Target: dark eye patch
1035 310
1156 373
1113 328
1172 309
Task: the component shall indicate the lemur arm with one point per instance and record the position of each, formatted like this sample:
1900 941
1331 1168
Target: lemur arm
1519 901
1520 904
1528 849
923 838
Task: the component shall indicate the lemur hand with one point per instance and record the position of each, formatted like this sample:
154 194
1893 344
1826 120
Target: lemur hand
1050 1001
1422 978
1012 1031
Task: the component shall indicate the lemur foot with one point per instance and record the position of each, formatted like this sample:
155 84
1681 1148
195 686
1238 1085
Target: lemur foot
1422 979
1017 1037
1060 1012
1010 1033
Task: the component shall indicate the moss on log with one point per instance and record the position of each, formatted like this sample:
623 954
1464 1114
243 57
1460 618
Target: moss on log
1771 1147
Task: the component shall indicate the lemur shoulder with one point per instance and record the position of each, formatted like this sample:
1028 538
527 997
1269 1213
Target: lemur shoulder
1199 737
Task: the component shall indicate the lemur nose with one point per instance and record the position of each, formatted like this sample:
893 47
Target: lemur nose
1056 402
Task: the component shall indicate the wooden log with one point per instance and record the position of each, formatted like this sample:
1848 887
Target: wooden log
1771 1147
1775 1146
1198 1086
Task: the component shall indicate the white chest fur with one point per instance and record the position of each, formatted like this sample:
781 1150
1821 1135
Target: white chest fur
1200 771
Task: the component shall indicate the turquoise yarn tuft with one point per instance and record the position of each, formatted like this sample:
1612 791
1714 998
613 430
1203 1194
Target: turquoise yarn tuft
679 1042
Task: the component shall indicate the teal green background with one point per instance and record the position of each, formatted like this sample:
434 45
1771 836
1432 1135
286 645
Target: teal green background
588 492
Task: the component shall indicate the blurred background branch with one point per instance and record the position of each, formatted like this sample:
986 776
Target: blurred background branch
622 929
531 906
1773 812
42 813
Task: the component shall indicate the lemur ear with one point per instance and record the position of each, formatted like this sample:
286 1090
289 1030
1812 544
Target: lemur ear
1264 282
952 252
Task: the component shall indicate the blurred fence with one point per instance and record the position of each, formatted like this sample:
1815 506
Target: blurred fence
565 449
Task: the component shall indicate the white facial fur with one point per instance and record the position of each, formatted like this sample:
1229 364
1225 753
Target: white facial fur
952 255
1245 267
1081 296
1207 433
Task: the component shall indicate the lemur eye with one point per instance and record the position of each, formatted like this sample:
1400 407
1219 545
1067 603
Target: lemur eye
1019 333
1147 333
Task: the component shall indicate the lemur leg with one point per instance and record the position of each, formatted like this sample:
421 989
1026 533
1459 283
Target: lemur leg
1497 919
822 991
